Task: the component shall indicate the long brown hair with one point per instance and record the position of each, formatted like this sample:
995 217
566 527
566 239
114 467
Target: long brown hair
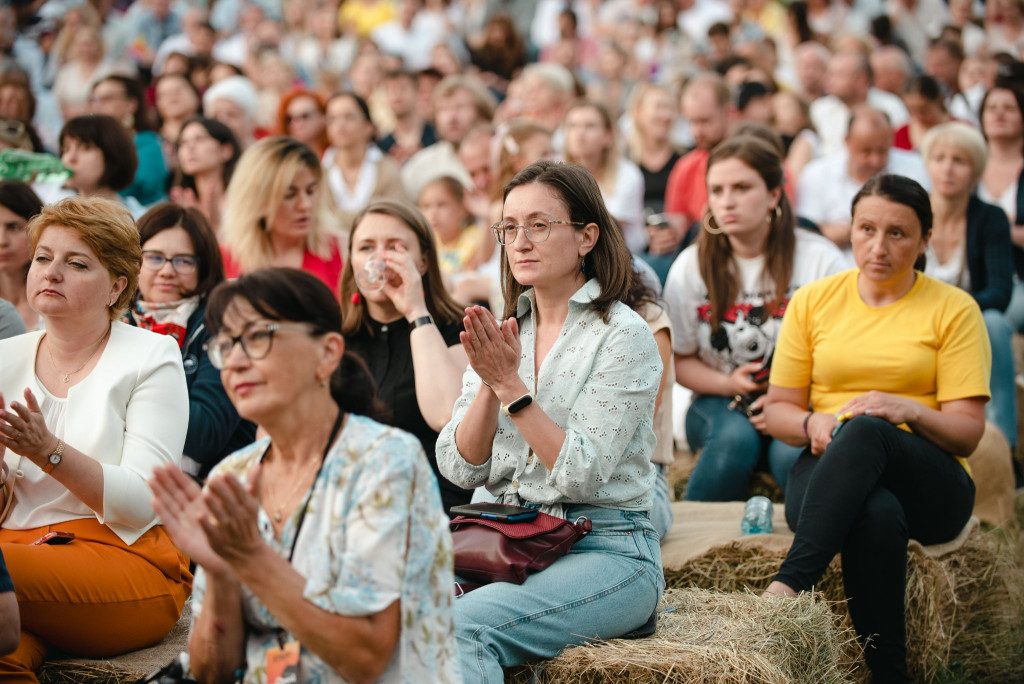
609 261
440 304
714 252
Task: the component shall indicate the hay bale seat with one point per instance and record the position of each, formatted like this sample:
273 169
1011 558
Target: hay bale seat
122 669
965 613
706 636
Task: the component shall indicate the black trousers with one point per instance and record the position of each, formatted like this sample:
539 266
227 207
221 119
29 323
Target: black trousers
873 489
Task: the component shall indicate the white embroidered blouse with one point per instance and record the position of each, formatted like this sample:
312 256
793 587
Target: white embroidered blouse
598 383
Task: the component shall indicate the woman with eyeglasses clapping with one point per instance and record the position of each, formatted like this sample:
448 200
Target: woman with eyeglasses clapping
181 264
324 543
557 414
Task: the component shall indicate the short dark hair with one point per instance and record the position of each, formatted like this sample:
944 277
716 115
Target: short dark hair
111 138
133 90
1000 84
288 294
20 199
927 87
609 261
209 264
901 190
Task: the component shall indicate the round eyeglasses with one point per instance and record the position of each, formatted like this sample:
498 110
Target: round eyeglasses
181 263
256 341
537 230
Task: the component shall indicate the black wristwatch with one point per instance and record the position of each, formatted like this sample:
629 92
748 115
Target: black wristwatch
517 405
422 320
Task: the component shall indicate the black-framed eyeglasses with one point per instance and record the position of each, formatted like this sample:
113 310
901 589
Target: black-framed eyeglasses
181 263
256 341
537 230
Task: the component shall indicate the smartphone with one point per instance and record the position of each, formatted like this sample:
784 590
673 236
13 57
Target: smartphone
55 538
494 511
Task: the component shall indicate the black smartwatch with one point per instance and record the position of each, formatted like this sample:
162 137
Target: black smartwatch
517 405
422 320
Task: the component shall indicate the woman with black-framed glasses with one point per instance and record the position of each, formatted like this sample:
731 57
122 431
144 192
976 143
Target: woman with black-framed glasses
181 264
325 543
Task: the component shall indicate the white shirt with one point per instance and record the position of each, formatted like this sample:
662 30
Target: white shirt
831 117
130 413
626 203
748 333
825 188
353 199
598 383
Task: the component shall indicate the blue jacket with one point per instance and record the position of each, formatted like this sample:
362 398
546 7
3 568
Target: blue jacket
214 427
989 255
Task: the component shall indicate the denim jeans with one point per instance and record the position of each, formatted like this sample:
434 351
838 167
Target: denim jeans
1002 409
607 586
730 451
1015 310
661 504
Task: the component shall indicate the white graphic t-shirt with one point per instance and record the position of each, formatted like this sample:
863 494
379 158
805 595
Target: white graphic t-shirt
749 328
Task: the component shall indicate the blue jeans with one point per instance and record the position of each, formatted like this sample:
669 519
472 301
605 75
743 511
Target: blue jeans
1002 410
730 450
661 504
607 586
1015 310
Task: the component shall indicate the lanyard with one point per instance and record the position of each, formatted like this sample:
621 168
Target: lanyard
309 494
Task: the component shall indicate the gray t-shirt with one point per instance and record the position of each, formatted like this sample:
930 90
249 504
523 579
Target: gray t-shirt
10 320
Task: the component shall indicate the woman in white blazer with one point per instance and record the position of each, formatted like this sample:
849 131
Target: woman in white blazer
87 409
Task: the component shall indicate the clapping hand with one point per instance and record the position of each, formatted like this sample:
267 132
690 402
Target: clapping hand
493 348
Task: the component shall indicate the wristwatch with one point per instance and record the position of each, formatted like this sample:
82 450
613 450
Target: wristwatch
54 459
422 320
517 405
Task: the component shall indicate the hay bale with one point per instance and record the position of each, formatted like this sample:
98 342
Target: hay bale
122 669
713 637
965 613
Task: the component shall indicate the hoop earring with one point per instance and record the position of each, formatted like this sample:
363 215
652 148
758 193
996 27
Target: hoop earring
709 225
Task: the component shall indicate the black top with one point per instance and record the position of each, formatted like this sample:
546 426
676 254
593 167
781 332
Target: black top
655 183
5 579
388 354
989 255
427 138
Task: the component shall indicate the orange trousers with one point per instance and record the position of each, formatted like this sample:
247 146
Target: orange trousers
94 597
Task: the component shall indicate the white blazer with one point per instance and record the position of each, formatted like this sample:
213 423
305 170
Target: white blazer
130 414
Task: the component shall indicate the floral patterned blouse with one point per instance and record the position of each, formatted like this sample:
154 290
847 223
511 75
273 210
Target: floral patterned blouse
374 532
598 382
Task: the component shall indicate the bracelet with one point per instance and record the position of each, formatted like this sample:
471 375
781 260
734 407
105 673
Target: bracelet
807 419
486 384
422 320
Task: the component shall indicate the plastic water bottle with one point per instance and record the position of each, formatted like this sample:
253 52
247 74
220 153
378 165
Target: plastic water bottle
31 167
757 517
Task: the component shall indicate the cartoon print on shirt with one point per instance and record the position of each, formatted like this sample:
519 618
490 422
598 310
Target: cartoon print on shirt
746 333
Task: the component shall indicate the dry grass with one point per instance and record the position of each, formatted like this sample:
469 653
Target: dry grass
714 637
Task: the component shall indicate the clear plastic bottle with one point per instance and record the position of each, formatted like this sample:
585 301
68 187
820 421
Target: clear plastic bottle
757 516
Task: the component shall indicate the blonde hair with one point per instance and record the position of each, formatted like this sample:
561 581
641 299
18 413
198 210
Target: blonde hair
634 141
958 134
108 229
508 142
610 157
257 188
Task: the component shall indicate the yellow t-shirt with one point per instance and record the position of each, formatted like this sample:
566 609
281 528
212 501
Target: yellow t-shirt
365 17
930 346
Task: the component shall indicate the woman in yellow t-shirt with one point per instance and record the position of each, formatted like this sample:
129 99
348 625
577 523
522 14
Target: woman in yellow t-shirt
894 366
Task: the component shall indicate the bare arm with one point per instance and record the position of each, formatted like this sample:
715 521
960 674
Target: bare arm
474 436
956 426
665 352
785 411
358 648
839 233
696 375
437 369
216 646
